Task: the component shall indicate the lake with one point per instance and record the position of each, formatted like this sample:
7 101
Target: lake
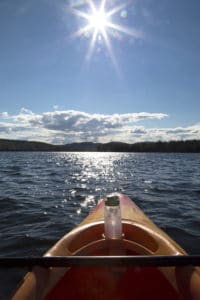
45 194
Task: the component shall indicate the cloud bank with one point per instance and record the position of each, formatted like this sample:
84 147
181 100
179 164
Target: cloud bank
69 126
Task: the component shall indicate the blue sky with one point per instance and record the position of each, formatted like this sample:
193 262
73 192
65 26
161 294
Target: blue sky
142 83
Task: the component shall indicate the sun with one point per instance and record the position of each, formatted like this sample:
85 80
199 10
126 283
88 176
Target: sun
99 25
98 21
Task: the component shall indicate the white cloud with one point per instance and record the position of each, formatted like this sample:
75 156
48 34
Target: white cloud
4 128
167 134
26 111
75 126
81 121
4 114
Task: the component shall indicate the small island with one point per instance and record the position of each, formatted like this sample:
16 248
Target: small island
188 146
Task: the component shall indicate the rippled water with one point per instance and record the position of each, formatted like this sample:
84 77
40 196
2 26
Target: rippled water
44 195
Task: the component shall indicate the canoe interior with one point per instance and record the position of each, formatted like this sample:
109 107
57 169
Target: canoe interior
113 283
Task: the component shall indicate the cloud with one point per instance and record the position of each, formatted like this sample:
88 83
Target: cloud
68 126
4 128
4 114
25 111
139 131
167 134
80 121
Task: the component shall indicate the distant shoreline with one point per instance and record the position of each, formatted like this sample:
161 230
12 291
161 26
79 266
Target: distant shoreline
187 146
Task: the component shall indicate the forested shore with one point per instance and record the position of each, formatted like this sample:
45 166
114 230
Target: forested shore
171 146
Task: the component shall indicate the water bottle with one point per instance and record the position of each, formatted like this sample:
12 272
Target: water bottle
112 218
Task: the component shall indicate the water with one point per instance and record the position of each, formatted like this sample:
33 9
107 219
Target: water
44 195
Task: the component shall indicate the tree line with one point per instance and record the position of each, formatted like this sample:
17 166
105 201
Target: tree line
192 146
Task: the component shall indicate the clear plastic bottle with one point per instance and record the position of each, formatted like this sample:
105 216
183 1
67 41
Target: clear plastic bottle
112 218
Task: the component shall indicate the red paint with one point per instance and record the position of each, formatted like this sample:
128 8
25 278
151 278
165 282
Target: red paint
107 283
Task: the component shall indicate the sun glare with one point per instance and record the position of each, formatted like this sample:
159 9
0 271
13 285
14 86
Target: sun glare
98 21
100 27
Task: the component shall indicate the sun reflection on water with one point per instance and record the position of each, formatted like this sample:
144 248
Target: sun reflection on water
87 177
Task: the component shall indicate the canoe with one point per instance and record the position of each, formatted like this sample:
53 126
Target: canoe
139 236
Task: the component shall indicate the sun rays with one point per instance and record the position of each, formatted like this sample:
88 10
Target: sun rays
100 27
98 20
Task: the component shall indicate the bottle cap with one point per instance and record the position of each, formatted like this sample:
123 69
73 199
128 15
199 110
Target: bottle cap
112 201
